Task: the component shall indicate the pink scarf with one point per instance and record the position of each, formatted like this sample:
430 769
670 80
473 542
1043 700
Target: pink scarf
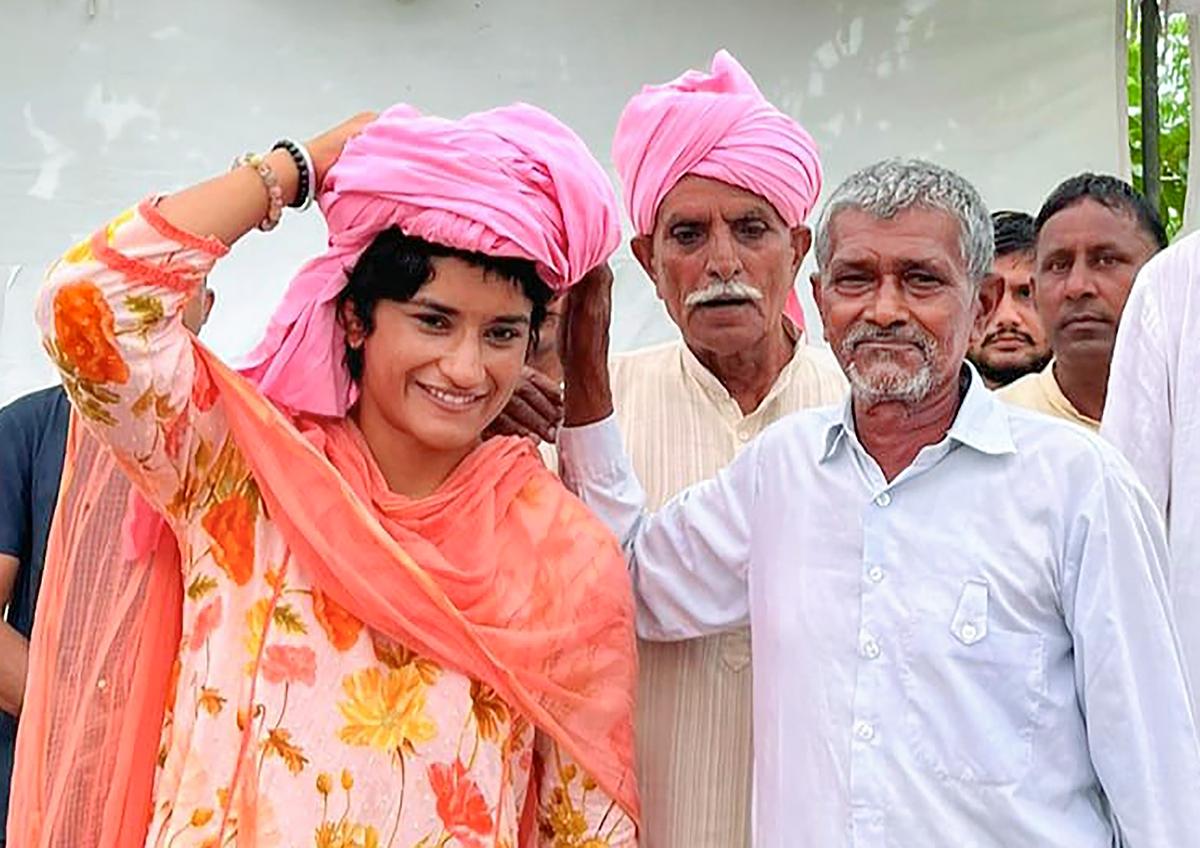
513 181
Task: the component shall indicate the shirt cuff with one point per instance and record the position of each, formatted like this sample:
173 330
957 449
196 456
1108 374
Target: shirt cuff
592 453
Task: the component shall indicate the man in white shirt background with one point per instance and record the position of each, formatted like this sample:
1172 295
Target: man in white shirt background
1153 415
961 633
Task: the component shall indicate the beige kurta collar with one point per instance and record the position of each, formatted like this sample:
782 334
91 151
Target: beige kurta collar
1059 401
720 396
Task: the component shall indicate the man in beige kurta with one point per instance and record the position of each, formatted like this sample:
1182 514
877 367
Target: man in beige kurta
1040 392
1093 234
718 183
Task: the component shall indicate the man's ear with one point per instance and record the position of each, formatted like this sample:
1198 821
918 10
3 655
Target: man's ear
801 243
643 250
818 293
987 301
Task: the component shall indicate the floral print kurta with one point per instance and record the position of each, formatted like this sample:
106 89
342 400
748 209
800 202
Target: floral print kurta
356 742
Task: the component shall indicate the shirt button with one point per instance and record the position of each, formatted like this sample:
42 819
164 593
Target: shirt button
968 632
744 435
101 684
870 648
875 574
883 499
864 731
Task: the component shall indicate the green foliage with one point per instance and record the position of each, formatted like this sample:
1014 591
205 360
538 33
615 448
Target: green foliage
1174 113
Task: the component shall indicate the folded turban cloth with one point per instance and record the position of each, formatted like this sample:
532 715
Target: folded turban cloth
715 125
512 182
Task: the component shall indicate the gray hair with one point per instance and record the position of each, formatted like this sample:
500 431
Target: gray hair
888 188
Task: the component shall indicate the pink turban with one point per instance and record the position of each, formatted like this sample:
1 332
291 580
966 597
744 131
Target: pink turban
513 182
715 125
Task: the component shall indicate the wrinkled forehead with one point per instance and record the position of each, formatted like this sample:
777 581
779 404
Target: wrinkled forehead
699 199
915 234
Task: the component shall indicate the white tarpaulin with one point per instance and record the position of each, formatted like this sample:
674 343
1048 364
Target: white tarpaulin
105 101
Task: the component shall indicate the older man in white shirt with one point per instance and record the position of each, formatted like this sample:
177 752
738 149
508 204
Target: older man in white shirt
960 621
1153 414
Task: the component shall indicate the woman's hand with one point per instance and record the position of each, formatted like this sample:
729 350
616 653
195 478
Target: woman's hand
327 147
229 206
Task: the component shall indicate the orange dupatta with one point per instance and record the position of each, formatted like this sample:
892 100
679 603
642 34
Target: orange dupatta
501 574
104 641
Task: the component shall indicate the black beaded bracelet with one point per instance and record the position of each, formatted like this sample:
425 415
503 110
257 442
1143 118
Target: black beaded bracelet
305 188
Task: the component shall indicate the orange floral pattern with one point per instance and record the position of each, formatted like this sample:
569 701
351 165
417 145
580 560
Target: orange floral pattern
230 523
204 390
279 699
460 805
84 331
340 626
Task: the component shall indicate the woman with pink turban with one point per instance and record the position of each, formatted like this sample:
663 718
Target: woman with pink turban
367 626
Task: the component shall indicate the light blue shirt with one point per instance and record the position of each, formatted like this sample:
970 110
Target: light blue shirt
978 654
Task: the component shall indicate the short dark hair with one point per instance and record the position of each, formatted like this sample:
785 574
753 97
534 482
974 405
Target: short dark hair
1116 194
395 266
1013 232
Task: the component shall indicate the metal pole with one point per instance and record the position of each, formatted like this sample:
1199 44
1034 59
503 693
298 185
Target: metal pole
1151 162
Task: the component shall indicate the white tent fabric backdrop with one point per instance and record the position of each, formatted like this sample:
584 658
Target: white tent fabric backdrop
105 101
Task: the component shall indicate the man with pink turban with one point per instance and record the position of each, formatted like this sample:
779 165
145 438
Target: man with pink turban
718 183
365 625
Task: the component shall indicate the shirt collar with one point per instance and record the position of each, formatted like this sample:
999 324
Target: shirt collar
981 422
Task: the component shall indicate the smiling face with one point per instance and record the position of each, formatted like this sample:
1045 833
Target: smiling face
437 368
1015 341
723 262
898 305
1087 257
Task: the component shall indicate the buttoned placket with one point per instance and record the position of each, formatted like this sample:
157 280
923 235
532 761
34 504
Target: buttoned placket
877 636
868 727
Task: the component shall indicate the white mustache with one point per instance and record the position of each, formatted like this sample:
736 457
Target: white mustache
722 290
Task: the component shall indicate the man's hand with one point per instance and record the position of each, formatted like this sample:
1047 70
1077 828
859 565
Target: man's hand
535 410
583 347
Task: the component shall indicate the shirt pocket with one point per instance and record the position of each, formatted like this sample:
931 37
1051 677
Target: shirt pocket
971 693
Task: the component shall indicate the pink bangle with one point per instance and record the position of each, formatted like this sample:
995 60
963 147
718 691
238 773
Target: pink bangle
271 183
